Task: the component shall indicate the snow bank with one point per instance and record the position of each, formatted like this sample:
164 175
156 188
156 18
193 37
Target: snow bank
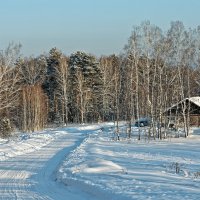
25 143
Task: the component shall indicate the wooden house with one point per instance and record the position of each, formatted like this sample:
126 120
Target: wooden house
188 106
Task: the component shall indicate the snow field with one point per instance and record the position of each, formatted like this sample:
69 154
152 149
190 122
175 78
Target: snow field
132 169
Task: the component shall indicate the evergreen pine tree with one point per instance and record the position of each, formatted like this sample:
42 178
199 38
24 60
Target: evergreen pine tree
86 86
50 85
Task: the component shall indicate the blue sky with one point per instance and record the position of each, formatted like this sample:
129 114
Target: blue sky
100 27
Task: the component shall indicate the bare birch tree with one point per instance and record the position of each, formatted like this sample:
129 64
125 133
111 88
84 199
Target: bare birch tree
9 79
62 79
33 100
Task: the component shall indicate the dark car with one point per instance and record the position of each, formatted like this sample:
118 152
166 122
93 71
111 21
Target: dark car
143 122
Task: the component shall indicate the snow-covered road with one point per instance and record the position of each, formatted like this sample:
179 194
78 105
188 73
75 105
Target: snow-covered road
32 175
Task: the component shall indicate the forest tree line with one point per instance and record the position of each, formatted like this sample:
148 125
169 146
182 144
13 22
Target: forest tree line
155 70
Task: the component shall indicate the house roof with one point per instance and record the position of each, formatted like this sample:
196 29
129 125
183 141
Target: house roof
195 100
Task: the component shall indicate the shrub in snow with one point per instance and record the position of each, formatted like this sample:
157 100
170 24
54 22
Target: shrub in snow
5 128
197 175
175 167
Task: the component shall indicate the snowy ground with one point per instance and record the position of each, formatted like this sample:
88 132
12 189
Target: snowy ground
84 162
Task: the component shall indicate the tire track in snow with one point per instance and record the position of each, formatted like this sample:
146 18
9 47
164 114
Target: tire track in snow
32 175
